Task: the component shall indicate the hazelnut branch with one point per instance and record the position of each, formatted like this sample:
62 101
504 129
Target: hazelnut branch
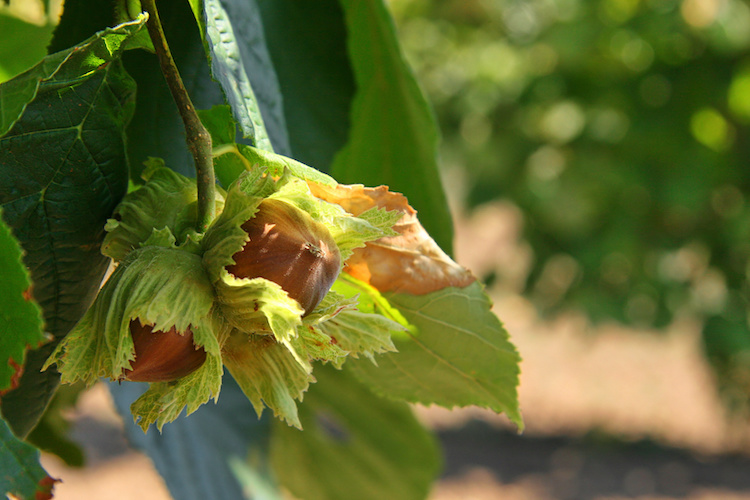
198 138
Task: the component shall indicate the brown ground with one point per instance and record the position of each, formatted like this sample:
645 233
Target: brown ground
612 415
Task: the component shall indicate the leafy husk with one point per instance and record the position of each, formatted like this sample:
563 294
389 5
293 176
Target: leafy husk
163 287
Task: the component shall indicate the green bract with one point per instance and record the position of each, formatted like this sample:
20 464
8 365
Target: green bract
166 201
169 276
257 307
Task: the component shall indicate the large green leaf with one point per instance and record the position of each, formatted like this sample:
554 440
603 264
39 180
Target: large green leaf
62 172
101 48
307 43
18 92
21 475
20 316
460 354
393 137
354 445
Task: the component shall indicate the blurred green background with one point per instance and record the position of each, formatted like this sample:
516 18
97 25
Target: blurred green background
619 128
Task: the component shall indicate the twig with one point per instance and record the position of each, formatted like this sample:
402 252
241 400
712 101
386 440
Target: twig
198 138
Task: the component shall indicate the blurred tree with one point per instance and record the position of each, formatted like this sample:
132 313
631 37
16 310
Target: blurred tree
620 128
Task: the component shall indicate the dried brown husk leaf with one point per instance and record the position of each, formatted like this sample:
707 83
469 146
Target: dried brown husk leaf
408 263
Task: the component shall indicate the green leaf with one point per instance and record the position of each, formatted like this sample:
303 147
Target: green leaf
459 356
22 45
354 445
22 476
393 138
258 305
163 287
72 63
20 316
255 478
276 164
62 172
237 49
307 43
369 299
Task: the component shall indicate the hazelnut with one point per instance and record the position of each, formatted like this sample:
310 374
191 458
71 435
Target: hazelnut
162 356
290 248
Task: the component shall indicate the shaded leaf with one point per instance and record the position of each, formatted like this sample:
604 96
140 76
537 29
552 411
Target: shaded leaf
156 128
20 316
21 475
393 137
80 20
307 43
354 445
52 433
102 48
18 92
193 454
62 172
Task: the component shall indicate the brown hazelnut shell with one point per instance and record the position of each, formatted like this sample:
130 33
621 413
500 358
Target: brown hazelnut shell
290 248
162 356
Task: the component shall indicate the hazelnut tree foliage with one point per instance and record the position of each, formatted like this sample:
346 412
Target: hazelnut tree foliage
103 165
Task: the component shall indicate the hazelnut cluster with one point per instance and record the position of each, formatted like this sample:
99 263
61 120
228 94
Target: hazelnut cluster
252 293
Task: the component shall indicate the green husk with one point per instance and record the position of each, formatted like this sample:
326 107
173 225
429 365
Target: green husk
158 286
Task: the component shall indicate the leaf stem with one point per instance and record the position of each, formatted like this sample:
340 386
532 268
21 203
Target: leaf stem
198 138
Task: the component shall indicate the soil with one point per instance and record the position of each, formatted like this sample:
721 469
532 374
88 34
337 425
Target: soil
610 413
